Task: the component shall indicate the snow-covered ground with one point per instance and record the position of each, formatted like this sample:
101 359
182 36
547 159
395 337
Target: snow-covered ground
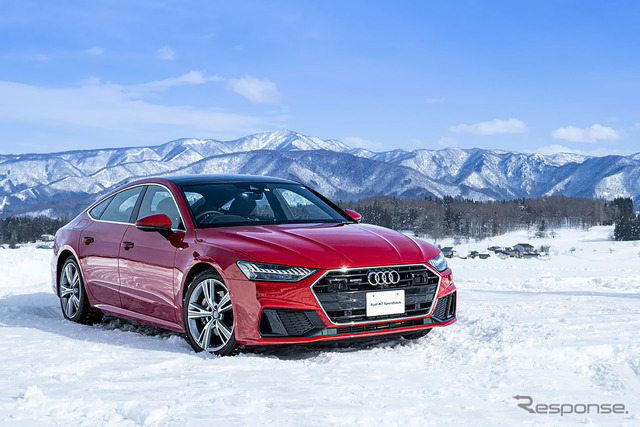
562 330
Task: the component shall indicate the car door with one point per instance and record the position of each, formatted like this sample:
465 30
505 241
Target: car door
147 259
99 245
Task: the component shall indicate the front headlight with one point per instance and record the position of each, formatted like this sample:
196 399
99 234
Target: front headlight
439 262
262 272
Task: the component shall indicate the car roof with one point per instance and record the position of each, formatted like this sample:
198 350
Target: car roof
217 178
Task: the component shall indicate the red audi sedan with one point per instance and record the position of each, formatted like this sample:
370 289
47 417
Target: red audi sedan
232 260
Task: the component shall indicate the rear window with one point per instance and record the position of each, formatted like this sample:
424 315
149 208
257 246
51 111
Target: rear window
97 210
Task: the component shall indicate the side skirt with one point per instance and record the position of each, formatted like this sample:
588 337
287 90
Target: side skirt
137 317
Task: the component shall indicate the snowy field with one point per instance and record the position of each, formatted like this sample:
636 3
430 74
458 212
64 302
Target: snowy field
562 330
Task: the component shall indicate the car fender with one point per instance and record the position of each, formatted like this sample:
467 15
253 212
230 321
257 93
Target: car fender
56 260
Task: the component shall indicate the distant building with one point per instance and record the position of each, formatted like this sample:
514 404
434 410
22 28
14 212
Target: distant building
448 252
44 238
495 249
483 256
512 253
524 247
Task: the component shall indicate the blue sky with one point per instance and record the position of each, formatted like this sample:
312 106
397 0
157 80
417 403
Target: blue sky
539 76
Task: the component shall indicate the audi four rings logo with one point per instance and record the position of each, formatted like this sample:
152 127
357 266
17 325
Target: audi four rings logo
386 277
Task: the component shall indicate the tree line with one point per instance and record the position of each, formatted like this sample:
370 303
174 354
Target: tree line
15 230
437 217
464 218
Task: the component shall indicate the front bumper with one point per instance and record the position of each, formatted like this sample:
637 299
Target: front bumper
287 313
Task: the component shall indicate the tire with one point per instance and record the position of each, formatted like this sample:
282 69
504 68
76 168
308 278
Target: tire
207 315
73 295
416 335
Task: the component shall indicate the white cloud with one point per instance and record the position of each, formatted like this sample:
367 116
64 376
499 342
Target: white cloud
95 51
191 78
118 108
589 134
166 53
356 141
493 127
258 91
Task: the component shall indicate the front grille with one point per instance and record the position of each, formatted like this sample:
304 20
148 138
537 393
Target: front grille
445 308
355 279
342 293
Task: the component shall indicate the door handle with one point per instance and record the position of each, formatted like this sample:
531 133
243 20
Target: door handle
127 245
88 240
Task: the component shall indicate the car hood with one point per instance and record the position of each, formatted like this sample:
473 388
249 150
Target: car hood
320 245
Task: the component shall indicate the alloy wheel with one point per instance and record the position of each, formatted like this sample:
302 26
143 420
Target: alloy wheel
210 315
70 290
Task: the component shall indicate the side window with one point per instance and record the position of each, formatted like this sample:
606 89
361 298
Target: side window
255 206
97 210
158 200
263 211
121 207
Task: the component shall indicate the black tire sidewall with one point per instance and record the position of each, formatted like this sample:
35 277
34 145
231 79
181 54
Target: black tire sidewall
229 348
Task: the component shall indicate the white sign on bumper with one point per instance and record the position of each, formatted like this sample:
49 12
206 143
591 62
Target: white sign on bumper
384 303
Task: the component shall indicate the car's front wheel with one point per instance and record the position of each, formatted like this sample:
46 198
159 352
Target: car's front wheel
73 297
208 315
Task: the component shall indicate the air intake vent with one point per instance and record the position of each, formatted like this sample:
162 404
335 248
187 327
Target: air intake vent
445 308
285 323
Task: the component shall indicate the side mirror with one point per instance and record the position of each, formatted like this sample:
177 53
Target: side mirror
353 214
157 222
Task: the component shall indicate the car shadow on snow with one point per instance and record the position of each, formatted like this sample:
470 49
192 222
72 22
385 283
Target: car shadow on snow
310 351
41 311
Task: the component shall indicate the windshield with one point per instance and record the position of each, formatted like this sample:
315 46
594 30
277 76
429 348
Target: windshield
242 203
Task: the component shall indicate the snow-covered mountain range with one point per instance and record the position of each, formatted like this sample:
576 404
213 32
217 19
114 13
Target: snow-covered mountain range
61 184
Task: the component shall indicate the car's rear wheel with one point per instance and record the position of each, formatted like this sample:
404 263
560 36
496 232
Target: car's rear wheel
208 315
416 335
73 296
